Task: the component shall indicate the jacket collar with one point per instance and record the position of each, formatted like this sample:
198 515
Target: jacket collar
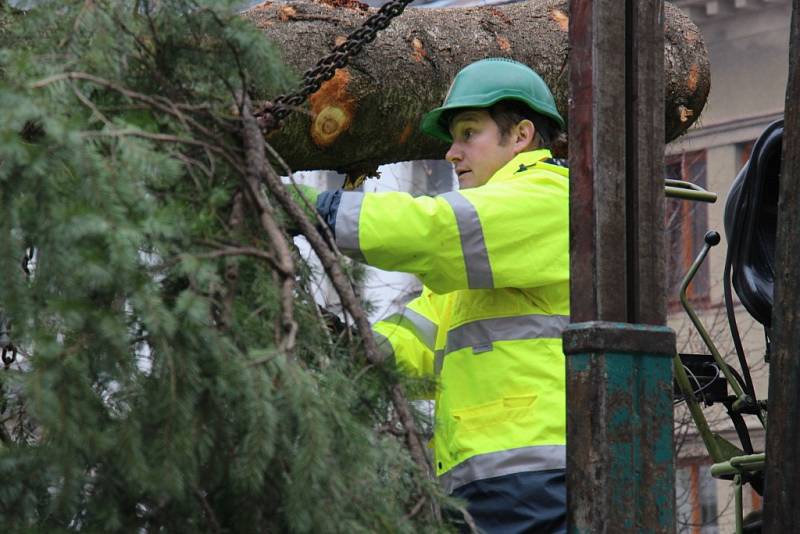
521 162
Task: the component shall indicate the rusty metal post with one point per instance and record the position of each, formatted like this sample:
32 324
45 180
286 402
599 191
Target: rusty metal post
782 492
620 469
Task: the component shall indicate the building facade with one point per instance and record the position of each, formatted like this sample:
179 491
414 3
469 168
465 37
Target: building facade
748 45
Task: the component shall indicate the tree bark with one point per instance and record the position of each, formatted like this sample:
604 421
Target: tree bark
782 494
369 113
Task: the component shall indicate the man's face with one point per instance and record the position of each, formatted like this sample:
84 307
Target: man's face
478 150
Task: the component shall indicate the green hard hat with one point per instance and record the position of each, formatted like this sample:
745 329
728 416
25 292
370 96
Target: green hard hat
486 82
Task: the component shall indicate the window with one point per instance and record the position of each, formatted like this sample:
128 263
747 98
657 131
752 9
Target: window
686 224
696 500
743 151
756 501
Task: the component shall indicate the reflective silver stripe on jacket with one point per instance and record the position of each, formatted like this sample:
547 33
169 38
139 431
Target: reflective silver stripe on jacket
347 216
473 245
438 361
495 464
422 327
481 334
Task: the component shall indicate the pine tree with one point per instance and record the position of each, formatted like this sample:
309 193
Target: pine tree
174 373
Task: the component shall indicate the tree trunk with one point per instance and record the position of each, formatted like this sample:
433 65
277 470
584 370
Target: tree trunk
782 495
369 113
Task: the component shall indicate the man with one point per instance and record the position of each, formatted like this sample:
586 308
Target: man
494 259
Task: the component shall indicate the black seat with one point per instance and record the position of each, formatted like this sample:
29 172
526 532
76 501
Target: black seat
751 214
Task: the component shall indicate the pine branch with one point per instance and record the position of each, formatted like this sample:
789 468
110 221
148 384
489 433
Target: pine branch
256 163
235 222
89 104
321 224
161 104
212 518
417 507
5 437
340 281
178 382
164 138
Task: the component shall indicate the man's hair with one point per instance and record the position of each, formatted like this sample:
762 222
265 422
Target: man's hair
508 113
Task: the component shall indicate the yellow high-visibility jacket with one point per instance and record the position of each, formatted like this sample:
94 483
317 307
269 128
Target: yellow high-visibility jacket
495 264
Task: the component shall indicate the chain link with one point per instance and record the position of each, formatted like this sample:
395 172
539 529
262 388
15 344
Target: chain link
30 252
273 114
8 351
9 355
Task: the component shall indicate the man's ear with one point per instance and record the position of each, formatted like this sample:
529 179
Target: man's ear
524 136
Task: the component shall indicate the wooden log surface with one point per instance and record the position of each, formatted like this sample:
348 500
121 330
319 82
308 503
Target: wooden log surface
369 113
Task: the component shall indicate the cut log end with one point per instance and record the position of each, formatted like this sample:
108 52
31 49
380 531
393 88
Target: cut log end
330 123
561 18
418 49
333 108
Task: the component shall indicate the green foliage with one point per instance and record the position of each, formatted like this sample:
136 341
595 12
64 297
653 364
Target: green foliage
150 393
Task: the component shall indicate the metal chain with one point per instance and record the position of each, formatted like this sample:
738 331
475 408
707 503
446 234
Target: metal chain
272 115
9 355
30 252
8 351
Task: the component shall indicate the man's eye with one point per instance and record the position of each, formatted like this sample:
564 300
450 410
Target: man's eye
468 133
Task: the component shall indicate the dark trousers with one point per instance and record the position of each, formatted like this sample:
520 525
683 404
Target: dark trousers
533 502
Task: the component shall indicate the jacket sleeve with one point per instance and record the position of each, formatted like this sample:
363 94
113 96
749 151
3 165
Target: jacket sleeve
509 234
410 336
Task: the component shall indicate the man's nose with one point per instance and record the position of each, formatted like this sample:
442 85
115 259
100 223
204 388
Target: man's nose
453 154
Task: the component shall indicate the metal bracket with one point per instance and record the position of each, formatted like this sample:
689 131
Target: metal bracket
612 337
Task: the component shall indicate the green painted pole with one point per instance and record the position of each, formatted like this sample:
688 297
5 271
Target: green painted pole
619 427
